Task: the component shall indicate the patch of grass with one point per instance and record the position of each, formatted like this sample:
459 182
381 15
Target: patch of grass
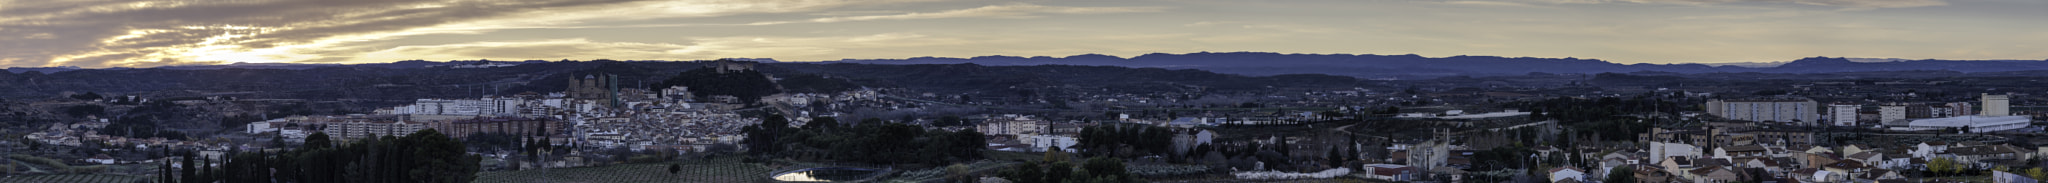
53 164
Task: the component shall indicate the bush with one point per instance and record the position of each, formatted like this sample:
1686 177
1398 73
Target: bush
1168 170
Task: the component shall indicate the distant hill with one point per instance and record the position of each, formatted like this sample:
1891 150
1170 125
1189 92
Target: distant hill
408 80
1413 66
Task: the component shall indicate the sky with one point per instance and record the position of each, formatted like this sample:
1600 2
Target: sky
149 33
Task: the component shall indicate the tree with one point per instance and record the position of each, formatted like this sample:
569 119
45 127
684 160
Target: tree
822 123
87 96
2036 173
206 173
277 141
317 140
762 138
1620 175
164 173
1335 159
1058 172
85 110
747 85
1026 173
1942 166
190 171
949 121
1105 167
675 169
1054 154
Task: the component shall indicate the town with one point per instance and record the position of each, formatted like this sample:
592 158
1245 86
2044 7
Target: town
745 121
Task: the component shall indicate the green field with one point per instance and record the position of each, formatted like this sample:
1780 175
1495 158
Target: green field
724 169
77 178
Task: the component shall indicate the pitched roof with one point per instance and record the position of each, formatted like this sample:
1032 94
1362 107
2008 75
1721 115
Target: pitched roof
1743 148
1555 170
1705 170
1710 161
1874 174
1845 165
1863 155
1680 160
1805 171
1767 162
1857 146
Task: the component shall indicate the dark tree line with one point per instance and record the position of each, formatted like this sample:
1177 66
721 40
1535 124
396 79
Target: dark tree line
1125 139
87 96
146 121
813 83
424 156
80 111
1608 118
747 85
871 141
1093 170
1565 109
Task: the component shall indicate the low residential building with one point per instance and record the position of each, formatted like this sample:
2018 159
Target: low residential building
506 125
1975 124
1714 174
1389 172
1567 173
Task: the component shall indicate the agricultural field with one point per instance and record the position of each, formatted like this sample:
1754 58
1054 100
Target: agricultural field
723 169
77 178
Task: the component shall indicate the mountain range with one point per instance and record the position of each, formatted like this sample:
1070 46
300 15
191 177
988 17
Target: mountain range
1364 66
1413 66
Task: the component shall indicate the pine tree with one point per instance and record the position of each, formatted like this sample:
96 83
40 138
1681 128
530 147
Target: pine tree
1336 159
1621 175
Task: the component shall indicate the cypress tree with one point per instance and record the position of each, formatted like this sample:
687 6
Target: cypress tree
206 173
188 174
164 173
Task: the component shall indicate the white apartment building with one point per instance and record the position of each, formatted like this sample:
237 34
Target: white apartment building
354 129
1011 125
488 106
1775 110
1889 113
1842 114
1997 105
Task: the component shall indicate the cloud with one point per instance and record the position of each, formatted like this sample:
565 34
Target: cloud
1852 4
536 49
142 33
1285 27
1488 3
1836 3
694 48
1015 10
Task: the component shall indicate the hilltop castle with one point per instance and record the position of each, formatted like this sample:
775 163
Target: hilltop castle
599 87
725 66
